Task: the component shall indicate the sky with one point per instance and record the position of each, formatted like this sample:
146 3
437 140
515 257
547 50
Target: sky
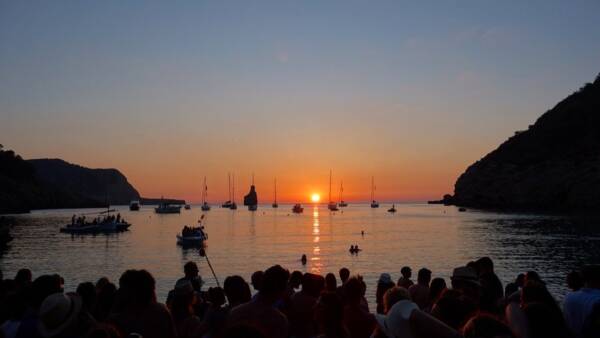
169 92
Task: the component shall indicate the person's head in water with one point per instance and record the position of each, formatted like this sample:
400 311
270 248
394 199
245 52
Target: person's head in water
274 282
256 279
424 276
303 259
406 272
344 275
190 269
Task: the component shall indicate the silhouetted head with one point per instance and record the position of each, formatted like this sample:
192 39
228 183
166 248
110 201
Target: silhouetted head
237 290
256 279
424 276
344 275
87 293
354 290
485 326
520 281
216 296
312 284
274 282
101 283
574 280
190 269
485 265
438 285
330 282
406 272
591 276
23 277
42 287
136 288
295 279
536 292
393 296
453 308
532 276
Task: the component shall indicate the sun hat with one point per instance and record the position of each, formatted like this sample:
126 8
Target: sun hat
385 278
396 323
183 287
466 274
57 312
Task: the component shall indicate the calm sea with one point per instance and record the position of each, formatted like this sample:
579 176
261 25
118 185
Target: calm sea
241 242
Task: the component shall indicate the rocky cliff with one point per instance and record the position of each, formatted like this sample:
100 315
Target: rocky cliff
554 165
53 183
252 197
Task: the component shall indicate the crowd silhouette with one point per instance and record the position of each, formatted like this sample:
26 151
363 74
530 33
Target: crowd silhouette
474 303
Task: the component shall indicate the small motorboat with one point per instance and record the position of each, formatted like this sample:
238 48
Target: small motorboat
205 207
167 208
342 204
134 205
332 206
106 224
191 235
187 207
297 209
226 204
233 206
462 209
392 209
253 207
374 204
275 205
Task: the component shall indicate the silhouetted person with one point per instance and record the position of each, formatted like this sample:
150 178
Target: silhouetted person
62 316
187 324
303 259
436 287
419 293
514 287
136 309
190 269
383 284
357 320
256 280
579 306
330 282
260 313
486 326
405 280
328 316
237 291
492 291
23 278
87 293
453 308
301 315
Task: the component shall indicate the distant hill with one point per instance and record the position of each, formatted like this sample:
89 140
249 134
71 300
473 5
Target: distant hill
554 165
54 183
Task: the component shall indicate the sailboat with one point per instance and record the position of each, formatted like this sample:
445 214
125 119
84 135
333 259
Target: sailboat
275 205
331 205
392 209
374 203
205 206
233 205
227 204
342 204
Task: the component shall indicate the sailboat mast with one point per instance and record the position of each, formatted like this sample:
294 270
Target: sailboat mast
372 188
341 189
275 184
233 188
329 185
229 186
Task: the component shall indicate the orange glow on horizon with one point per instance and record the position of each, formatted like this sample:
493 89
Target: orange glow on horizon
315 198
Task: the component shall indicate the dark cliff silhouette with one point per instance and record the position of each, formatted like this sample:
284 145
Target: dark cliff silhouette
251 198
54 183
554 165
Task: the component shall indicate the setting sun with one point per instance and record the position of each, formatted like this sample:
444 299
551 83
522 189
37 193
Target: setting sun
315 198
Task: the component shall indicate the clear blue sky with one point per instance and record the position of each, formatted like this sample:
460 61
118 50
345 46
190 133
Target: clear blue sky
409 92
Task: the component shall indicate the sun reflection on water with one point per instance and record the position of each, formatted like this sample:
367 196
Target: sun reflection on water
316 264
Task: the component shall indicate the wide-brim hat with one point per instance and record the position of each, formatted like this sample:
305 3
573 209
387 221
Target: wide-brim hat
397 321
465 274
57 312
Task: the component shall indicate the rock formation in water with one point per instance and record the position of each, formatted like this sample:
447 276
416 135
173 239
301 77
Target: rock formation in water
53 183
251 198
554 165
